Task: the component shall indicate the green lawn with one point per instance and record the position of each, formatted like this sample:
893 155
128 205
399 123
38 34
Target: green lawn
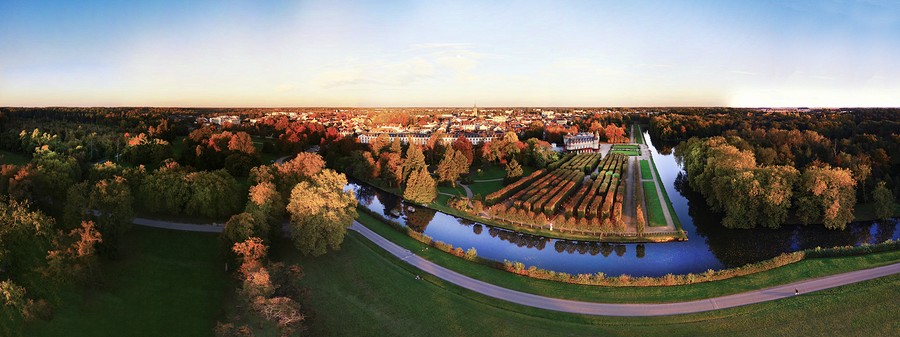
805 269
654 207
626 152
485 188
167 283
452 190
497 172
666 196
13 158
361 291
645 169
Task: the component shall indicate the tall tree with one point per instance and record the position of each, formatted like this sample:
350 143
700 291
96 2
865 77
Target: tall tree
827 194
452 166
415 160
420 188
321 211
884 201
464 146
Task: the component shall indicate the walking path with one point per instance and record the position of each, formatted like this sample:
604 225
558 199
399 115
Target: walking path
487 180
579 307
468 190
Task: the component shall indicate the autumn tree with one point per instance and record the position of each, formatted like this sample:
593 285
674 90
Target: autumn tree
415 160
513 170
265 203
884 201
321 211
241 142
452 166
108 203
464 146
74 257
420 188
827 194
391 168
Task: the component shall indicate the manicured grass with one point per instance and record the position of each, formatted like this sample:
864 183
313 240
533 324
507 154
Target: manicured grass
666 196
654 208
361 291
804 269
626 152
645 169
485 188
166 283
489 172
452 190
13 158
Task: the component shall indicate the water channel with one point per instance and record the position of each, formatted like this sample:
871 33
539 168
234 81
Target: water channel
709 245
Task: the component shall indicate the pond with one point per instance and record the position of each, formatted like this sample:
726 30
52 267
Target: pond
709 245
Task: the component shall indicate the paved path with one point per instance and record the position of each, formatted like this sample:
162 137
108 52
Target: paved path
468 190
487 180
621 309
281 160
578 307
206 228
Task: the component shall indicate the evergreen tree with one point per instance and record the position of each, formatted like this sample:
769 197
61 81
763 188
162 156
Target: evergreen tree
420 188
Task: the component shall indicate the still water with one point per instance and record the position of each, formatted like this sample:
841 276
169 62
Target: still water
709 245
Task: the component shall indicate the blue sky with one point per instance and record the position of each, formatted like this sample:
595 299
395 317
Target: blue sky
455 53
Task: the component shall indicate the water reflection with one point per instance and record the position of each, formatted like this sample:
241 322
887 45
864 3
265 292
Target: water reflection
709 245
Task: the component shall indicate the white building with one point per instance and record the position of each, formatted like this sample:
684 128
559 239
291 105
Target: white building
582 142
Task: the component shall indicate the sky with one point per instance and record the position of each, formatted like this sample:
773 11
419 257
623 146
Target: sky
450 53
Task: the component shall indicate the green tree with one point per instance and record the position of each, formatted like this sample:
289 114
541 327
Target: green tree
420 188
884 201
241 227
321 211
214 194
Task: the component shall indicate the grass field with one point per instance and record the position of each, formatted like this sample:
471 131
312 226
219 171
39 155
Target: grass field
801 270
485 188
354 293
452 190
13 158
654 207
645 170
666 197
167 283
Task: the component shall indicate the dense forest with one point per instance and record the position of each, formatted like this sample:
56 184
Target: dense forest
760 168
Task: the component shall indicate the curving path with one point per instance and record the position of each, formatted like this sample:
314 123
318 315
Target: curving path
579 307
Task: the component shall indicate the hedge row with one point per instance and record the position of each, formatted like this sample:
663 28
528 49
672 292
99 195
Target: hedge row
511 189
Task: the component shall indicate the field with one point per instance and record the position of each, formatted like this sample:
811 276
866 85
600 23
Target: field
645 169
564 195
351 298
166 283
654 208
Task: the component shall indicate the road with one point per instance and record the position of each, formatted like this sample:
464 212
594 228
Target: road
579 307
